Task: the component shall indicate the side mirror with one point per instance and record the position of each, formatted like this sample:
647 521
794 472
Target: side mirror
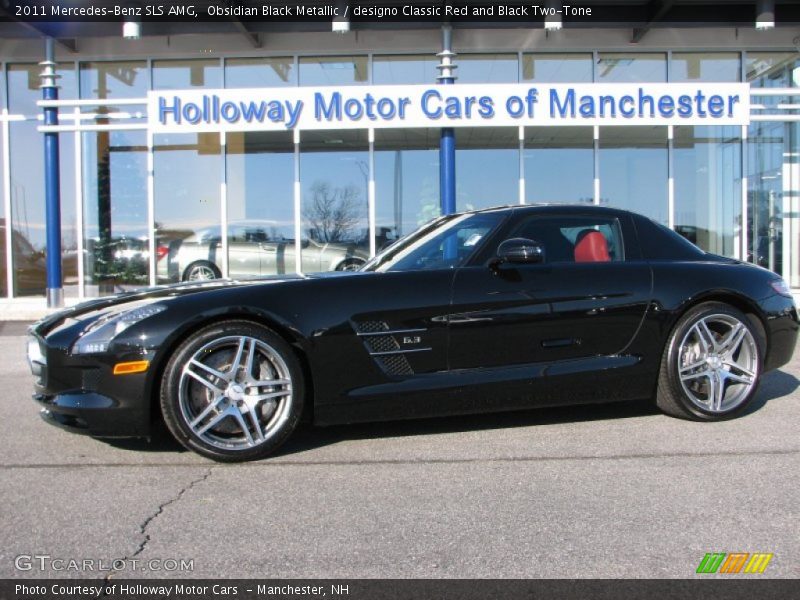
519 251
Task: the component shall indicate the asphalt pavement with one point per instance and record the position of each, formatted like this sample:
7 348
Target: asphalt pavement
615 490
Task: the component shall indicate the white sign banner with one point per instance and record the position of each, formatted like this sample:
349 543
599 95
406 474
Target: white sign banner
467 105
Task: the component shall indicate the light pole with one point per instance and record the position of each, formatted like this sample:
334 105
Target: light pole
52 180
447 145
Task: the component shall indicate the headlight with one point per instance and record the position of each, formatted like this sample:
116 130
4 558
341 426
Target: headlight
100 333
36 358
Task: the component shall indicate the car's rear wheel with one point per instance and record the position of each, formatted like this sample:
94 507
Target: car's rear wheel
201 271
233 391
711 365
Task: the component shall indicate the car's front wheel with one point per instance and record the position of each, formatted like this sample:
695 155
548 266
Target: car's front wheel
711 365
233 391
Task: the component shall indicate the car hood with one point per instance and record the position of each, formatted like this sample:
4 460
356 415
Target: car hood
100 305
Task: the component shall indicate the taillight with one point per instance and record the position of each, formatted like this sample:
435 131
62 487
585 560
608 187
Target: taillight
161 252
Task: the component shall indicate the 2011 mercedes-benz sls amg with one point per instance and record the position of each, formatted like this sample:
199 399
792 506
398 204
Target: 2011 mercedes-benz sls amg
498 309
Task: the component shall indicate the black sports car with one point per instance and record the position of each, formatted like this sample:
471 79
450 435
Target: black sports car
497 309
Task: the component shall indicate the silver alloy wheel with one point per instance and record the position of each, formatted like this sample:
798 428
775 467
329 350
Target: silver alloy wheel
201 273
718 363
235 392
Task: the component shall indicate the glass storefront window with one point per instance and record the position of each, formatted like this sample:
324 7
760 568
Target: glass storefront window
116 231
104 80
766 144
773 179
27 184
487 167
708 195
557 68
260 72
559 164
260 176
631 67
182 74
3 226
334 70
334 175
772 69
633 170
487 68
404 69
406 181
705 66
187 175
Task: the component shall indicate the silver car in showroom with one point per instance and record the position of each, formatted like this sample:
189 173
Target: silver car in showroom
254 248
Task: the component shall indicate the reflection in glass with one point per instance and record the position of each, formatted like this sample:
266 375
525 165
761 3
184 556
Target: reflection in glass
633 170
27 184
334 70
487 68
406 181
487 167
115 184
24 91
404 69
773 181
766 144
187 173
3 227
447 243
633 67
773 69
557 68
260 175
559 164
708 194
119 79
334 174
116 233
181 74
260 72
705 66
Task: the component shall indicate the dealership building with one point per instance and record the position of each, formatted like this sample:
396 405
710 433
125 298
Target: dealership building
234 147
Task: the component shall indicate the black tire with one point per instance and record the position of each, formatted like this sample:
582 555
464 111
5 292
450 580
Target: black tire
671 397
201 264
184 400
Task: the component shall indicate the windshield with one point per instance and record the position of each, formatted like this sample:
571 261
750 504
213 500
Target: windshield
445 243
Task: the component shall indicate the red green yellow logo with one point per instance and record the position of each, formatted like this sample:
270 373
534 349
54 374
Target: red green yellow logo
733 563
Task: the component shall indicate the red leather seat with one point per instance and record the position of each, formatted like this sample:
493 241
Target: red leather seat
591 246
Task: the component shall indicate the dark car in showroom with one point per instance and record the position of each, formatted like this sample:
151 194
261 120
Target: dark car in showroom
490 310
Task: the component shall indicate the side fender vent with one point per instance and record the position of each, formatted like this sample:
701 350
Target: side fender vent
384 346
396 364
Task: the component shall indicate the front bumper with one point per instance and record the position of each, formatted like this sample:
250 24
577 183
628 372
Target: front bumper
81 394
89 413
783 328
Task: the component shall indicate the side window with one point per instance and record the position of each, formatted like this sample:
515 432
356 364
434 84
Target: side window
574 239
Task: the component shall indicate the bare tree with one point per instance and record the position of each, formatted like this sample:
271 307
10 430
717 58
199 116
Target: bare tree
333 212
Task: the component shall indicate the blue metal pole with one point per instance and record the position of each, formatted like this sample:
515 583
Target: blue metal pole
447 170
447 143
52 182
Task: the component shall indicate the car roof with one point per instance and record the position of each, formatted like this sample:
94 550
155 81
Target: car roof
553 207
